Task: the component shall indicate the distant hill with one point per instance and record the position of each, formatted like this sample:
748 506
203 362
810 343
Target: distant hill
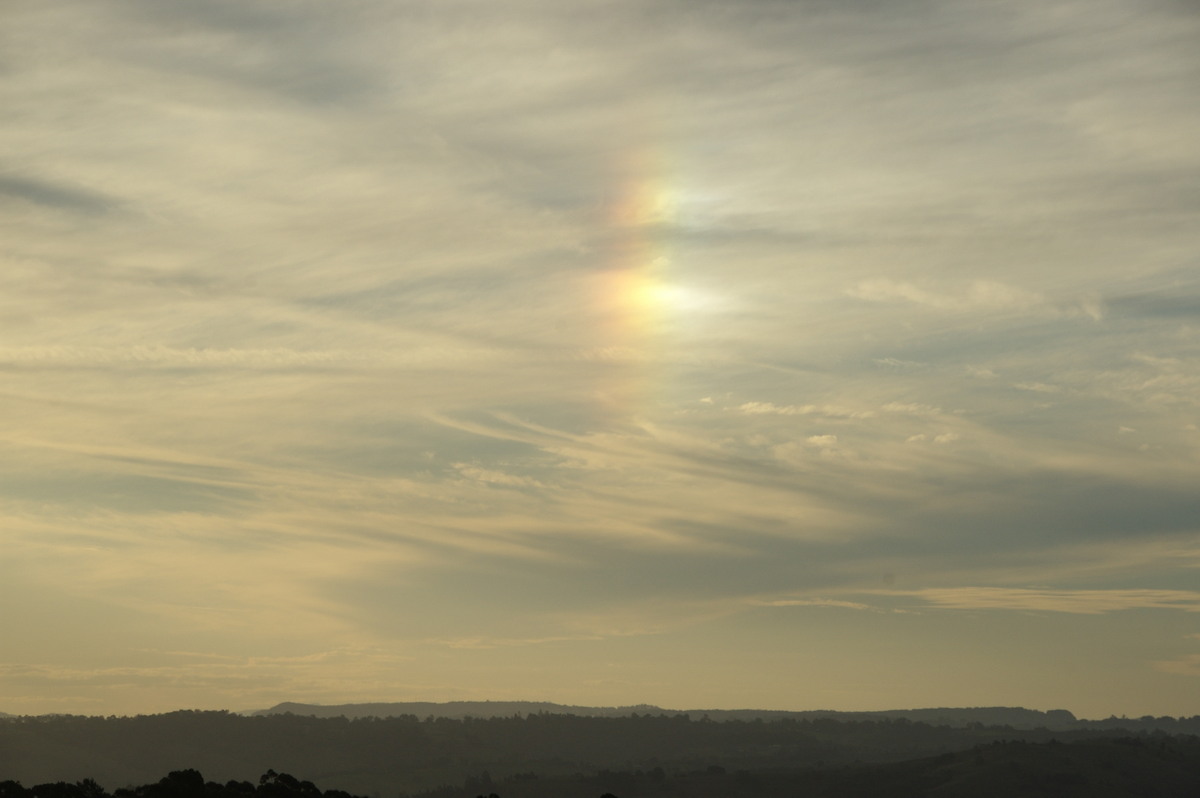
1016 717
456 710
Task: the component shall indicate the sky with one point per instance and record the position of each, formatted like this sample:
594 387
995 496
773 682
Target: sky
788 354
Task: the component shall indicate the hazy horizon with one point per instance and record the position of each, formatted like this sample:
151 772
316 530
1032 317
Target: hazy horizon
777 353
639 708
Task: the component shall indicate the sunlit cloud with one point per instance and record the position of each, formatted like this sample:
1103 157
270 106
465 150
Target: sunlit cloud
980 295
814 602
761 408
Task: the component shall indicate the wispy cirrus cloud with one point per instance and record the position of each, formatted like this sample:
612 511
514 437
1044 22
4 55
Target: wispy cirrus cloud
1085 602
310 318
980 295
813 602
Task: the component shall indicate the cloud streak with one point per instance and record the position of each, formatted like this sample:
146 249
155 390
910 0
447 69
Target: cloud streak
1088 602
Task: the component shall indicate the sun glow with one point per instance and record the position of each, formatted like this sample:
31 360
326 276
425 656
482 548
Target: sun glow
642 300
643 294
644 204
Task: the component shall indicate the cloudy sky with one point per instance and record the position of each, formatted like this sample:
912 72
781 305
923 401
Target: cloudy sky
775 353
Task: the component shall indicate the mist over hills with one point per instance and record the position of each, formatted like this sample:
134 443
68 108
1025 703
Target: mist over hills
1016 717
388 754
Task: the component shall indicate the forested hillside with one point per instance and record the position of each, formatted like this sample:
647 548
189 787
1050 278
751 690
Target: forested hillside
406 754
1014 717
1162 767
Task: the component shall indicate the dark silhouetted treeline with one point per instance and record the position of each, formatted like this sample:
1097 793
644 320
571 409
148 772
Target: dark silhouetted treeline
177 784
389 756
1016 717
1133 767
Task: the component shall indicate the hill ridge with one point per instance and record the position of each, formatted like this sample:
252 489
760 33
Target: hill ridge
1017 717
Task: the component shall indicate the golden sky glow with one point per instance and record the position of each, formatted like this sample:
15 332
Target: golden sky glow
787 355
